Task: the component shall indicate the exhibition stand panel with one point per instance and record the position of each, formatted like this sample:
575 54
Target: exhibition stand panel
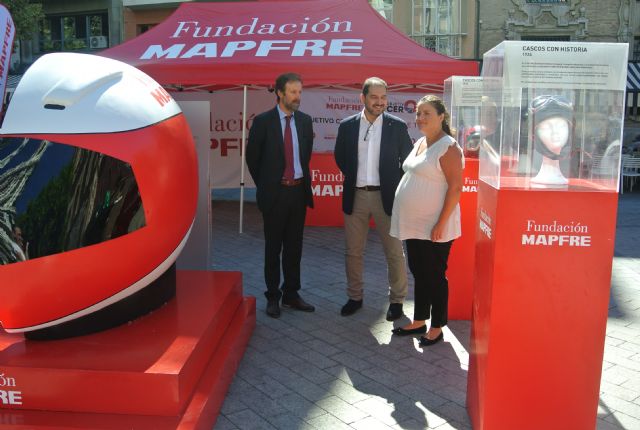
99 179
207 49
214 47
551 126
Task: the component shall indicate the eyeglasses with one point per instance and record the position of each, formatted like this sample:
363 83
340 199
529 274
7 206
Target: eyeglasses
366 134
541 101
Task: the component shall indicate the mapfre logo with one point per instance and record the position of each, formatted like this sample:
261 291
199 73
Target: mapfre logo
326 184
8 396
556 233
470 185
161 96
343 103
485 223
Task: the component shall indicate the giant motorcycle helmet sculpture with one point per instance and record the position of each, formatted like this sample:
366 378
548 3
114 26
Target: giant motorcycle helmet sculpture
98 190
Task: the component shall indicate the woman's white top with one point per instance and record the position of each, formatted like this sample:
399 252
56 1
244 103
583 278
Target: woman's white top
420 195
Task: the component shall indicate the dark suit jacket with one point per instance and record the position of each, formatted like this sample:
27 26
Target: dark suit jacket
265 155
395 145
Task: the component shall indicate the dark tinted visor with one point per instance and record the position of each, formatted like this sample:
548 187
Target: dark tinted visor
56 198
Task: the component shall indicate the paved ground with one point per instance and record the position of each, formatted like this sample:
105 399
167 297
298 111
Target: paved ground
323 371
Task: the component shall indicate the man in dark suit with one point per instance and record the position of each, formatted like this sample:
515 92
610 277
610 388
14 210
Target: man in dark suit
278 153
370 149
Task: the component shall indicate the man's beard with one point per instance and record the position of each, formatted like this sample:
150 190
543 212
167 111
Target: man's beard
372 112
292 106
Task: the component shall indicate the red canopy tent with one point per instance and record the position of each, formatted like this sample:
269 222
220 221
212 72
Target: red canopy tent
328 42
210 46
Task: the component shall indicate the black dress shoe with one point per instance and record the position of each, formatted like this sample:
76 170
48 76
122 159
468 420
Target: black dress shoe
394 312
427 342
298 304
406 332
351 307
273 308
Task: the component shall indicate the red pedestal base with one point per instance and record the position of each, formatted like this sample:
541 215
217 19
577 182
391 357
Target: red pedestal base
169 369
541 294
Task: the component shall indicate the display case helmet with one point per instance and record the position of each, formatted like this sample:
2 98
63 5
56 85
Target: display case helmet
548 106
472 137
98 172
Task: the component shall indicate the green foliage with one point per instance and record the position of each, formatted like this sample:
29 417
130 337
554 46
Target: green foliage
26 17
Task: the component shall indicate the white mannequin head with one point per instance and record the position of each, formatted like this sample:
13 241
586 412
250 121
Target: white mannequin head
553 133
551 119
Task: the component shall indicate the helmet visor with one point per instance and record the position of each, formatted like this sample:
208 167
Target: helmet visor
56 198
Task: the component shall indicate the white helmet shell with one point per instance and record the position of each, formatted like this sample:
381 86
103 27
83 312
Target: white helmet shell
97 94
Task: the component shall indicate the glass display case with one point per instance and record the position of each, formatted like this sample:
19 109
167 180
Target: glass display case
552 115
463 99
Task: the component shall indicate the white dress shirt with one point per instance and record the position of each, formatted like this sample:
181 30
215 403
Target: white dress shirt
369 151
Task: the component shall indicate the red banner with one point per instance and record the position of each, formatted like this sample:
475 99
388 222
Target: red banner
8 31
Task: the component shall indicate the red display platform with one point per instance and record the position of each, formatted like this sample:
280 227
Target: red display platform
169 369
463 251
541 294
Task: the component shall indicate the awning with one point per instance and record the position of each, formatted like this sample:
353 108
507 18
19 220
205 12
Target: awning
633 78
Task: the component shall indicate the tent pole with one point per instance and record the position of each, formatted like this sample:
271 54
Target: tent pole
244 135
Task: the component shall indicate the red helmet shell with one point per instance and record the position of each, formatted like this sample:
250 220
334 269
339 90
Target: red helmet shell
113 109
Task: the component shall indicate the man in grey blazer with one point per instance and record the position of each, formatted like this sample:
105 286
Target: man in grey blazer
370 149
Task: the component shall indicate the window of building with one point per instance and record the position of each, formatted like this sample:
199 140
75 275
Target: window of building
436 25
143 28
74 32
636 49
385 7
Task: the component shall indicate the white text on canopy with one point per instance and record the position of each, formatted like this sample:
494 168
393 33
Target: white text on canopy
308 46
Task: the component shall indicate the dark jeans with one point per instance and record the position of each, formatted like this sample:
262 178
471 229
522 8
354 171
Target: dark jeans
428 264
283 229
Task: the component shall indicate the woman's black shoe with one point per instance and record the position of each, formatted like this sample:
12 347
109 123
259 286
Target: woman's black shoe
406 332
427 342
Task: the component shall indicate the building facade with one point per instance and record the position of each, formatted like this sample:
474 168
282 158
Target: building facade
142 15
90 25
444 26
79 25
468 28
561 20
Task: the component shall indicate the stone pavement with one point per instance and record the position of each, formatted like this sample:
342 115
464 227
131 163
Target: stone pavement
324 371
